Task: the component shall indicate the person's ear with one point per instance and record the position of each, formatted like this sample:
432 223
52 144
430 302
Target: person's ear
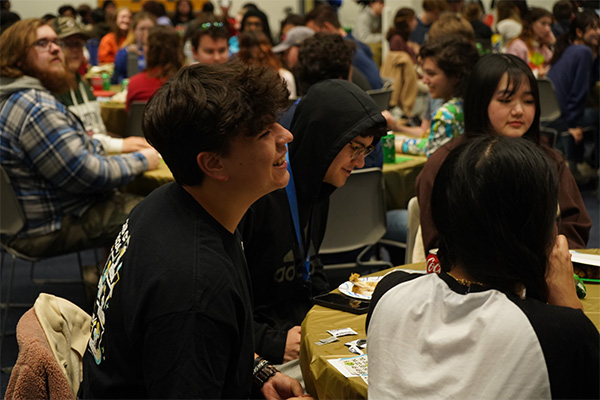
328 27
210 163
578 33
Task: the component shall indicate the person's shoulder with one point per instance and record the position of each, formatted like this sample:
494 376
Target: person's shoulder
387 283
579 51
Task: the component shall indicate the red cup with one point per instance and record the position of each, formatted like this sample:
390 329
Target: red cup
97 82
433 263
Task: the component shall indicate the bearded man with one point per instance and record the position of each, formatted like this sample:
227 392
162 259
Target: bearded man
63 180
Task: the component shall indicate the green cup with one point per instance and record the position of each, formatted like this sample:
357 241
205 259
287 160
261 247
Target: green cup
388 143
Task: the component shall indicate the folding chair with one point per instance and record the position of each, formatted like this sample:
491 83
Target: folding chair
12 221
356 220
134 118
381 97
549 111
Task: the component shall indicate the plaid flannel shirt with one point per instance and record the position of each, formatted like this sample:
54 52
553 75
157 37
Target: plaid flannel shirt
55 168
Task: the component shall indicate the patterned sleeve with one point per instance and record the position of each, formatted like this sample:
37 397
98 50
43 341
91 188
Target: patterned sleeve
58 147
447 123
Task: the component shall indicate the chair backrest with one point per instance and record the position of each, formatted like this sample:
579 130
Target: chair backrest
549 106
381 97
414 221
356 213
132 64
134 118
12 219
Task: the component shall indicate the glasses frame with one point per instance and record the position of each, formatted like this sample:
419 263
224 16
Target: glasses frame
44 44
359 149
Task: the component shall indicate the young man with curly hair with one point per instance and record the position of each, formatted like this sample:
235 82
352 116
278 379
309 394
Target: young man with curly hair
173 314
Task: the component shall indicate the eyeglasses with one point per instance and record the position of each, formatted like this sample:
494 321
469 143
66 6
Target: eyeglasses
360 150
208 25
44 44
74 44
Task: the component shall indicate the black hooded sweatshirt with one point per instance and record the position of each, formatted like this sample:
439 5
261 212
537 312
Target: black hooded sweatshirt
330 115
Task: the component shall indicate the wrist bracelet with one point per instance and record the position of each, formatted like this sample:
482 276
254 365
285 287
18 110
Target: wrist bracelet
262 372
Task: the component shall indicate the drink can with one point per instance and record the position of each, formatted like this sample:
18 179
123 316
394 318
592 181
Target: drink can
433 263
124 84
105 81
388 143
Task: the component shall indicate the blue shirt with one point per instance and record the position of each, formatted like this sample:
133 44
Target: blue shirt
363 61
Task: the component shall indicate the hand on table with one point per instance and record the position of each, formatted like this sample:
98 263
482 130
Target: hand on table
281 386
559 276
292 344
151 156
134 143
577 134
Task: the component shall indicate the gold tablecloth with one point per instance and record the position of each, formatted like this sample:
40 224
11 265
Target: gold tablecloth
150 180
324 381
400 180
114 117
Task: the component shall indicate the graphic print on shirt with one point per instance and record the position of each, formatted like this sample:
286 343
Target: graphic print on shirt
106 285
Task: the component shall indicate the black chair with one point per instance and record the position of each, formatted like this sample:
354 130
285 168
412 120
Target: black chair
12 220
134 118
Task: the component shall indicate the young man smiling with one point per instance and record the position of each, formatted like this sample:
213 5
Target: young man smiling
173 315
335 126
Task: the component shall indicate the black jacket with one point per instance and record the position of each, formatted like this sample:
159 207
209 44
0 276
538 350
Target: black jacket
332 113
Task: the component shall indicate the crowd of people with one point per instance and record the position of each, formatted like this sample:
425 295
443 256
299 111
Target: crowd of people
208 278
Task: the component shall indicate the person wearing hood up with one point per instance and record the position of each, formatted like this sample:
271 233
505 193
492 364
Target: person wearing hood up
63 179
336 124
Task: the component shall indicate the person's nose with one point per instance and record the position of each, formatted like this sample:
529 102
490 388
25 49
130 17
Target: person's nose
283 135
517 110
54 48
359 161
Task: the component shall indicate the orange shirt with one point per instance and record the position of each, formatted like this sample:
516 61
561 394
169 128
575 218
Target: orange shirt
107 50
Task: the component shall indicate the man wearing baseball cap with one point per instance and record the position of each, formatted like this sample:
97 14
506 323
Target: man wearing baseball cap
290 45
81 100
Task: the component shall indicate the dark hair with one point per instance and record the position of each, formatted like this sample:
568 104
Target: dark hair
494 203
164 56
107 3
211 26
292 19
532 15
508 9
582 21
208 7
177 16
65 8
98 15
455 56
562 10
263 17
401 25
323 56
484 80
204 107
434 6
323 13
155 8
